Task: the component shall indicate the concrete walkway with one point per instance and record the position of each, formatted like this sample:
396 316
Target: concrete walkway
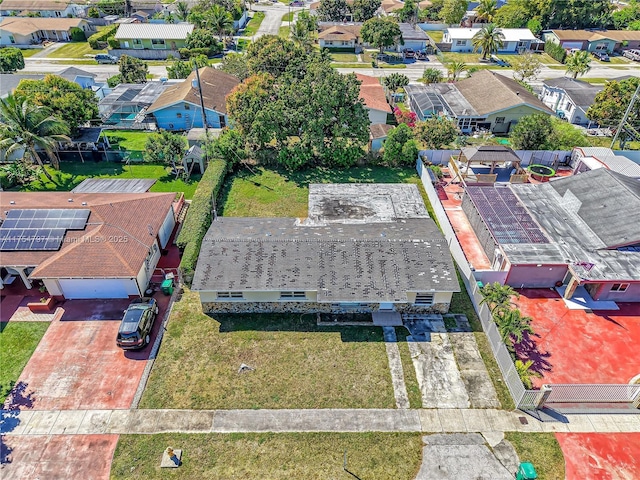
85 422
395 366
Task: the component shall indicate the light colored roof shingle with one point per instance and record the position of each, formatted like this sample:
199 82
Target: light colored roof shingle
37 5
216 85
489 92
149 31
28 25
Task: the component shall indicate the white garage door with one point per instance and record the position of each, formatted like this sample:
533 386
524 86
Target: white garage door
99 288
567 45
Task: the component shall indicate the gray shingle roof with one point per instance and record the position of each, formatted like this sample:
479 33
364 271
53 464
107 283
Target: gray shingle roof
581 93
342 262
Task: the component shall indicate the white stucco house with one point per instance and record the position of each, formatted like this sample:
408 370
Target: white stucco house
516 40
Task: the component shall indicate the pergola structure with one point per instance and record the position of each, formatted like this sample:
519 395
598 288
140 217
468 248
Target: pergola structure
491 156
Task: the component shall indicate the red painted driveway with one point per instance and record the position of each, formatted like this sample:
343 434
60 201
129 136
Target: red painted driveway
598 456
77 364
57 457
572 346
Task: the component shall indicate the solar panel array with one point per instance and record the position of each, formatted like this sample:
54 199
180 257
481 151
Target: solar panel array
507 219
42 229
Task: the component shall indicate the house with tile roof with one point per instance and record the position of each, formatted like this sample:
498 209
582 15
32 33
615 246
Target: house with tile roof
569 98
179 107
24 31
375 100
363 248
340 36
468 103
111 253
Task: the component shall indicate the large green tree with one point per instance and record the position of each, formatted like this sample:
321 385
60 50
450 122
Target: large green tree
400 147
235 64
395 81
165 147
436 133
514 14
486 10
274 55
332 10
381 32
11 59
62 99
610 104
532 132
133 70
363 10
453 11
579 14
24 125
578 63
489 39
408 12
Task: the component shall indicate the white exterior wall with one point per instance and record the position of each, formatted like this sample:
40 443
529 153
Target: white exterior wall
147 268
337 43
558 101
166 228
377 116
97 287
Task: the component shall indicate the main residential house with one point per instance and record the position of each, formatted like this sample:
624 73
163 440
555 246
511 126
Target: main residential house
592 41
43 8
469 104
516 40
84 245
569 98
179 107
363 248
347 35
24 31
375 100
151 40
577 231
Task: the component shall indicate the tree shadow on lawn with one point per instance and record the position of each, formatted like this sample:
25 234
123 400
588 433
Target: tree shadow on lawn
294 322
528 350
369 174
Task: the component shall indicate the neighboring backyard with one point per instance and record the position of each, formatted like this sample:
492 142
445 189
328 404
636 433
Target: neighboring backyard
79 50
73 173
18 340
296 363
308 456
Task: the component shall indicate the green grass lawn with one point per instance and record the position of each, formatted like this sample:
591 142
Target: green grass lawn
283 32
542 450
29 52
288 17
278 193
436 35
344 57
547 59
297 364
72 173
254 23
469 58
18 340
273 456
78 50
410 379
127 139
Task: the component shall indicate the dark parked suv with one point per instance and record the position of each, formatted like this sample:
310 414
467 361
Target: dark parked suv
137 323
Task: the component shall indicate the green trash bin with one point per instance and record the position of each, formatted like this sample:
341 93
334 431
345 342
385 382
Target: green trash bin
167 286
480 284
526 471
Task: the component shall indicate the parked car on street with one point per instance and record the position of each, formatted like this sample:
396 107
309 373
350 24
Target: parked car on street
105 58
602 56
632 54
137 322
296 3
409 53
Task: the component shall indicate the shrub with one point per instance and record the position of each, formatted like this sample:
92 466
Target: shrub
555 51
93 12
113 43
77 35
98 40
198 218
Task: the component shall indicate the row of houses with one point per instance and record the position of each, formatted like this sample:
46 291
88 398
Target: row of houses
69 8
25 31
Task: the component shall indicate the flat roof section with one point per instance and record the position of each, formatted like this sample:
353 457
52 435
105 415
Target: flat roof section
505 216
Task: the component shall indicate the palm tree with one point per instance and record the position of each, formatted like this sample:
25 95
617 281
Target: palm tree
455 69
431 75
578 63
512 325
487 10
301 36
489 40
525 373
28 126
182 10
496 296
220 21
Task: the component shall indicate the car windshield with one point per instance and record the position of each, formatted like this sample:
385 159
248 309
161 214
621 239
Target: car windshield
131 320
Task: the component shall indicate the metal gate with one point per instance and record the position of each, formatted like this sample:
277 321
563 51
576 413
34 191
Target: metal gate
594 396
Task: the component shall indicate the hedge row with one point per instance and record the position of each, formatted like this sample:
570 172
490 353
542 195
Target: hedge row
198 218
98 41
555 51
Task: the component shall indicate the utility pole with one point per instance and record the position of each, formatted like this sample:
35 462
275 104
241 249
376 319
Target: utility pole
626 116
204 113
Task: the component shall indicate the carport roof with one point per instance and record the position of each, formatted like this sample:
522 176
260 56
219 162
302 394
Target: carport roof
114 244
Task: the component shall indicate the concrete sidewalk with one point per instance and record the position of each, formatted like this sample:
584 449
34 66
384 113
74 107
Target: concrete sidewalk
85 422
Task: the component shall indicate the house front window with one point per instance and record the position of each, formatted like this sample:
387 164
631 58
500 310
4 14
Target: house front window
232 295
223 121
499 119
423 298
137 43
158 44
619 287
461 43
292 295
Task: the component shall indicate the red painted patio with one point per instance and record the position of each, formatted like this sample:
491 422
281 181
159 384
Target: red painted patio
57 457
573 346
597 456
